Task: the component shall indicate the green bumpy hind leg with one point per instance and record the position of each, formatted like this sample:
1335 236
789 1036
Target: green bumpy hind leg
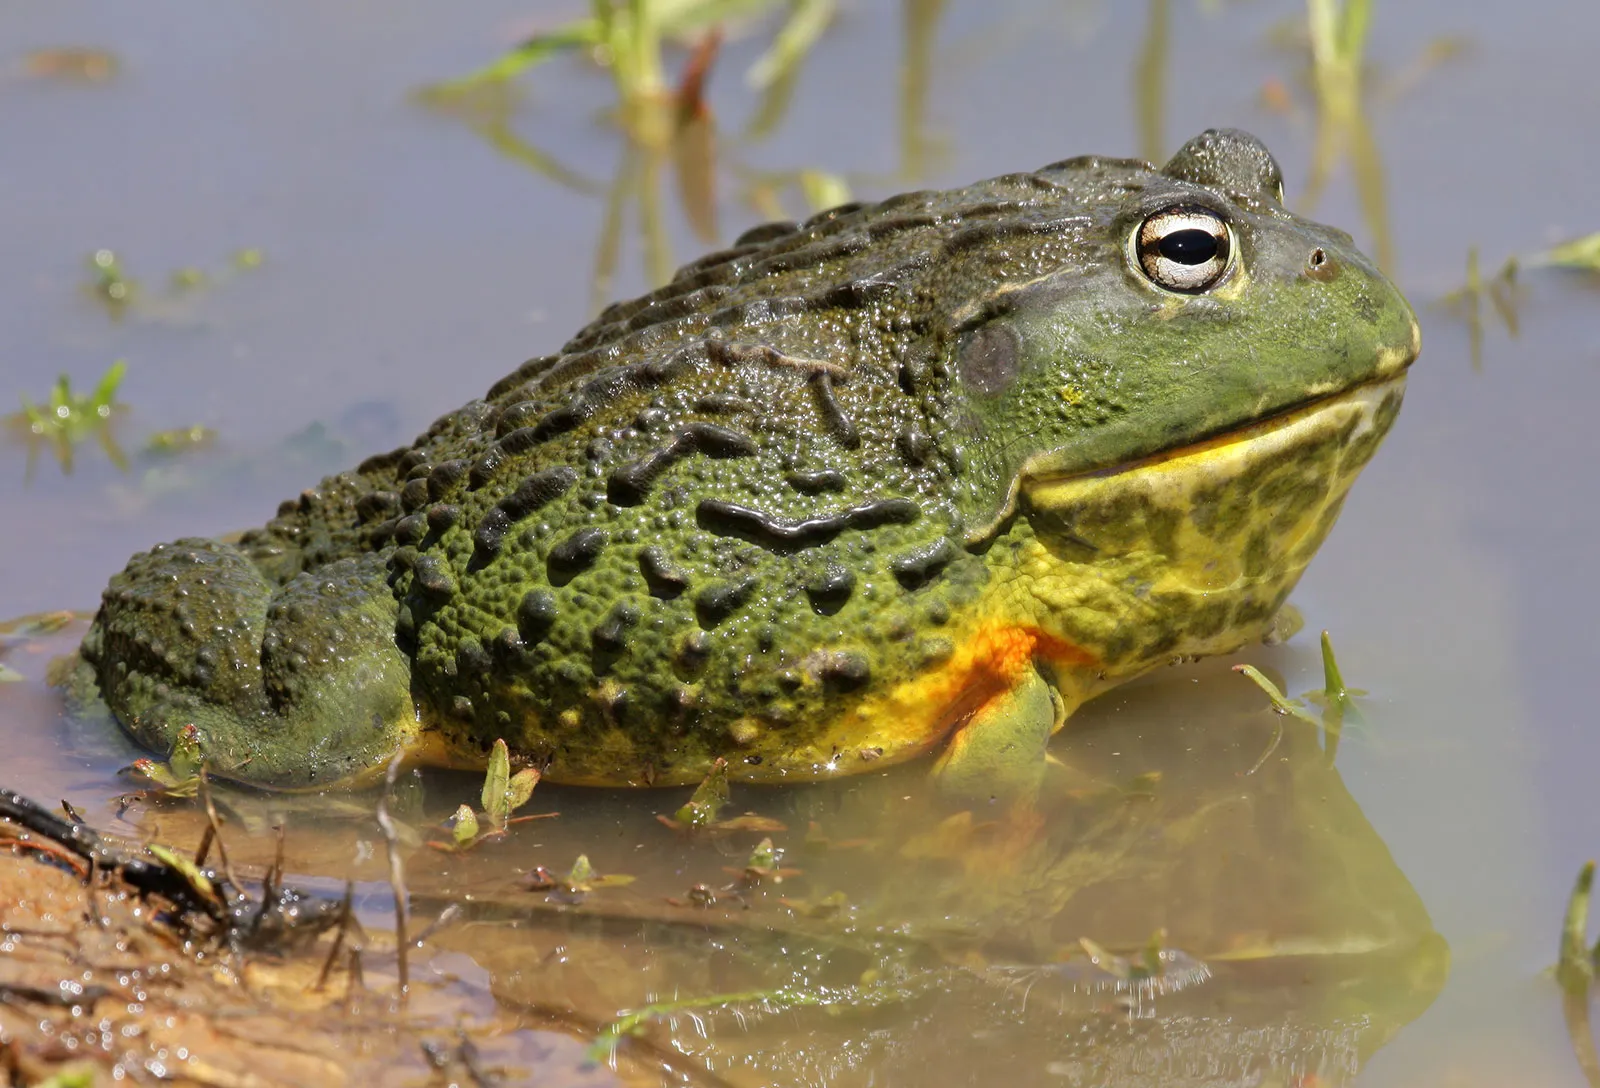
999 752
293 686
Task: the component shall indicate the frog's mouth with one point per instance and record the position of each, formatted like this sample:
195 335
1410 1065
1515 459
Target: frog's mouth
1373 404
1329 439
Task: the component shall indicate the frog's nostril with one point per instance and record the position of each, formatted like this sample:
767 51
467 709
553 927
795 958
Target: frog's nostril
1320 266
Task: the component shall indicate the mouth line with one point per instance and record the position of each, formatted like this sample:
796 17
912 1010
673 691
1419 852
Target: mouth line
1286 418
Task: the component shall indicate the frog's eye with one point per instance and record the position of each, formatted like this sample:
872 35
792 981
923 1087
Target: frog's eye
1184 248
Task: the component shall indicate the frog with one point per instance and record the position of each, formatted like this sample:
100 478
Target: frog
913 478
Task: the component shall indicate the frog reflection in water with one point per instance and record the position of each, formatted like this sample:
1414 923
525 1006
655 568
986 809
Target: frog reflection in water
909 477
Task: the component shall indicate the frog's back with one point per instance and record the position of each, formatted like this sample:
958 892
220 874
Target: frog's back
721 513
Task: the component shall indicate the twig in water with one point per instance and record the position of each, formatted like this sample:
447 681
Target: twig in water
214 830
146 875
357 983
397 873
338 936
446 916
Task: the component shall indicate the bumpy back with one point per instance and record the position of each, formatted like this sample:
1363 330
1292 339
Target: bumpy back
724 507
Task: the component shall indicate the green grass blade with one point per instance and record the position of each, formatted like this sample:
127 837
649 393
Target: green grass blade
1574 968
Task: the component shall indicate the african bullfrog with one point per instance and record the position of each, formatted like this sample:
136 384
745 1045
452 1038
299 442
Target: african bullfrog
909 477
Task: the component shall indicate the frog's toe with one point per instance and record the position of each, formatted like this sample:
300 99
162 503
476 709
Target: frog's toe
291 686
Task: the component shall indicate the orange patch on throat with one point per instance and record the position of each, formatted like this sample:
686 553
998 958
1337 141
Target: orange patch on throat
996 663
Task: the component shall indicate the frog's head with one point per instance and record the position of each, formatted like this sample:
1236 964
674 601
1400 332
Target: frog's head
1200 380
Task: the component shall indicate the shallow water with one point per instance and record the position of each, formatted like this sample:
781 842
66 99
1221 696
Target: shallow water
409 263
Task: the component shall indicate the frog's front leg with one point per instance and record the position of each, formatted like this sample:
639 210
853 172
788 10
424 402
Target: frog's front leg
999 750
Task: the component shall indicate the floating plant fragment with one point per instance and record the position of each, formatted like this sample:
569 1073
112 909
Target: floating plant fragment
503 793
701 812
579 881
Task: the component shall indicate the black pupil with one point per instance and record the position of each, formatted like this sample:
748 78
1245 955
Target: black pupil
1191 246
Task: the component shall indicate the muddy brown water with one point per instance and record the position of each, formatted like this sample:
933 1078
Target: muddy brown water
412 257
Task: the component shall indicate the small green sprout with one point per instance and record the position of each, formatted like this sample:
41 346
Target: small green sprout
1335 698
765 866
1580 253
503 793
179 439
579 881
248 258
1577 963
109 282
764 857
1335 692
464 828
68 413
702 811
66 418
708 800
1576 967
178 776
1281 703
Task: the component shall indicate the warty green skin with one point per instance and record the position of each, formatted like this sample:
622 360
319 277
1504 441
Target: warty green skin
755 495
